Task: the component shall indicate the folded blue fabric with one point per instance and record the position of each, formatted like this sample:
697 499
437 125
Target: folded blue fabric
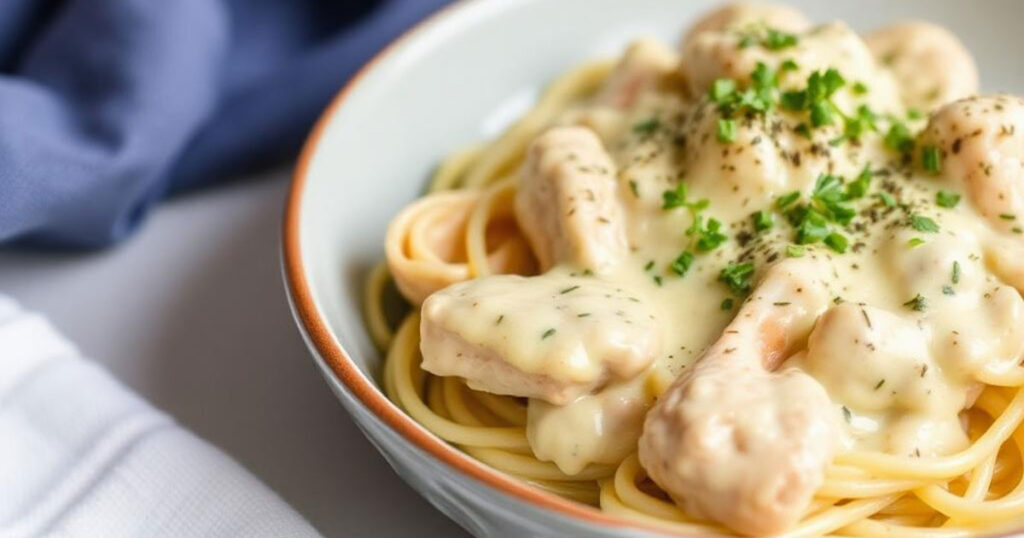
107 106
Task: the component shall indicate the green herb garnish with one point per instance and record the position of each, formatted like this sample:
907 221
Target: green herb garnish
917 304
763 221
646 127
931 159
726 130
682 264
923 224
737 276
836 242
947 199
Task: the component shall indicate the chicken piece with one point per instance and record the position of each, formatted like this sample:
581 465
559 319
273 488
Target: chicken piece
553 337
976 322
897 376
756 167
739 16
567 204
645 64
731 439
604 426
931 66
982 144
711 55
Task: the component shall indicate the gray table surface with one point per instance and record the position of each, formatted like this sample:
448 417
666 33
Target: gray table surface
191 313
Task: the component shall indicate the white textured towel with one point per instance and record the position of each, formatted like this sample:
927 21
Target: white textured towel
82 456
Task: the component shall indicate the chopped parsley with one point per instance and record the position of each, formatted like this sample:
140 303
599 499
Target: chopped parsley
947 290
829 199
770 38
816 97
758 98
672 199
931 159
738 276
956 272
634 188
1007 216
821 113
947 199
811 226
762 221
722 90
726 130
923 224
917 304
886 199
778 40
794 251
570 289
782 202
898 138
915 242
837 242
863 121
859 88
649 266
859 186
646 127
788 64
709 236
547 333
683 263
727 303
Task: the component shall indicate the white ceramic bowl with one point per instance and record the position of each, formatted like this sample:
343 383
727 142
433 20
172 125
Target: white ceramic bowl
459 77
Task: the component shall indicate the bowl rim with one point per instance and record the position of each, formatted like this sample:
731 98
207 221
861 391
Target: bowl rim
368 394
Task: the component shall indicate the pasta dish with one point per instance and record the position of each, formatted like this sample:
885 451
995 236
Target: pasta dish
767 281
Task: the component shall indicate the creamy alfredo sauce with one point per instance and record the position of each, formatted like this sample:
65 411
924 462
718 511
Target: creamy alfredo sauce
714 160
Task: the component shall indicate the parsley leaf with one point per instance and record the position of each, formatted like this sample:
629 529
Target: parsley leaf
898 138
923 224
917 304
778 40
837 242
762 220
683 263
859 186
709 237
726 130
947 199
931 159
646 127
738 276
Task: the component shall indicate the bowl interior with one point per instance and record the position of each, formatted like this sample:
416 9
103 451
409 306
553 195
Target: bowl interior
467 73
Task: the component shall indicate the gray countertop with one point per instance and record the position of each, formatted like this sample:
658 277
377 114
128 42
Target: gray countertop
191 314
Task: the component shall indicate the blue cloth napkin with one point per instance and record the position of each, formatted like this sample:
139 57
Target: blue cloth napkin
107 106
